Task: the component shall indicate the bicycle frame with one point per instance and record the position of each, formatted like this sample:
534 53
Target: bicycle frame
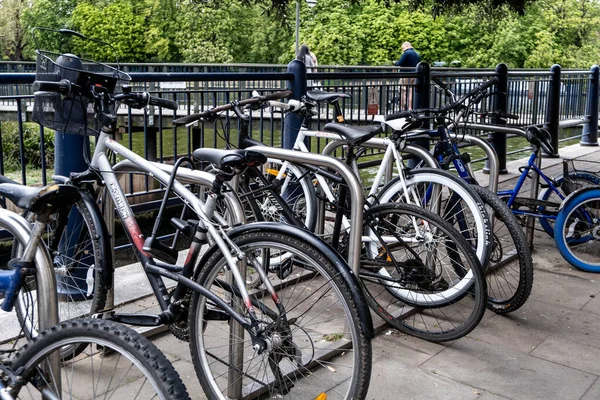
156 269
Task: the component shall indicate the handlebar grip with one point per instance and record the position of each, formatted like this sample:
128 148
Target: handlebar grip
401 114
282 94
192 118
165 103
488 84
508 116
62 87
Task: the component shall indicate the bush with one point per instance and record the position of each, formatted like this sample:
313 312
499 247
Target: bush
31 142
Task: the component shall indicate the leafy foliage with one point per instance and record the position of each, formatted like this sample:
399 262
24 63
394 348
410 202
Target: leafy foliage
369 32
31 146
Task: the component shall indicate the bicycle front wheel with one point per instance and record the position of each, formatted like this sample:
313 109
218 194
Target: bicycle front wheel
118 363
577 230
451 198
78 253
419 274
317 347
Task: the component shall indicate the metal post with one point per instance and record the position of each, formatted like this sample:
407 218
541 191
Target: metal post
590 129
69 152
553 109
498 139
297 25
293 121
421 100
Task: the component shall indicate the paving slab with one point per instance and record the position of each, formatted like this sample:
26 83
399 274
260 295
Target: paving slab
570 354
510 373
392 378
594 392
564 289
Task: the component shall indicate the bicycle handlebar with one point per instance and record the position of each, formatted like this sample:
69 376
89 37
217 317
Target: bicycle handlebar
253 100
63 87
446 108
143 99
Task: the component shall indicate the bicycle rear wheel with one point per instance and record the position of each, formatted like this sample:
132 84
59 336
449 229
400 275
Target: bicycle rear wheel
78 253
317 345
581 179
118 363
295 187
419 274
509 273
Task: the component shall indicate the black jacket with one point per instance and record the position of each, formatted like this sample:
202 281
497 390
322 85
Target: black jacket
409 58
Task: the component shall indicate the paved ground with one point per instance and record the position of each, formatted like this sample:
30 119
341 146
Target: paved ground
549 349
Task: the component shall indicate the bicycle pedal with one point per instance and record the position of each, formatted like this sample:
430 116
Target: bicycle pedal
159 250
284 270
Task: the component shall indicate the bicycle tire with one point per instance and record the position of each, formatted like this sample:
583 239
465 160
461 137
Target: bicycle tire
509 273
583 178
335 324
454 186
578 240
301 198
117 343
421 287
81 244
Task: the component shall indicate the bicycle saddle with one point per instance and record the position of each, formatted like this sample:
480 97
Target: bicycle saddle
318 96
230 158
35 198
355 135
541 138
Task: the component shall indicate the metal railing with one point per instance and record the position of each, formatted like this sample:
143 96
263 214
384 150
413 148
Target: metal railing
529 94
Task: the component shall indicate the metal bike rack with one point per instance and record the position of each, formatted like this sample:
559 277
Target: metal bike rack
494 163
373 143
356 207
47 299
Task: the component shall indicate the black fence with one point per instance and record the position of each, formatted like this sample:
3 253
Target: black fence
552 99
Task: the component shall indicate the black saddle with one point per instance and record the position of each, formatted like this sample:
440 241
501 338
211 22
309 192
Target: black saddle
51 197
355 135
319 96
230 158
540 138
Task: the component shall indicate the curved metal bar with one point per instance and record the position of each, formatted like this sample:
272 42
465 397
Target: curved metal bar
47 298
356 207
379 143
46 280
494 163
494 128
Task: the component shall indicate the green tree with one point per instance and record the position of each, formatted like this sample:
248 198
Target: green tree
12 33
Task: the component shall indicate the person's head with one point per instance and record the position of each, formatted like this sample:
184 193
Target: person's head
406 46
303 51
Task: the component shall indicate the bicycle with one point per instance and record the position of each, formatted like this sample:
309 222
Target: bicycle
81 256
127 362
417 272
509 272
464 207
243 343
558 192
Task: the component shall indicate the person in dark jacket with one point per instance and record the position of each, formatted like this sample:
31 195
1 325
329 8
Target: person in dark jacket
409 59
